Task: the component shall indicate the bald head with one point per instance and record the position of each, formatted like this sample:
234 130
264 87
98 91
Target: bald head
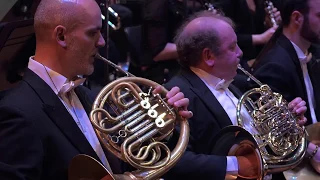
200 32
203 24
67 13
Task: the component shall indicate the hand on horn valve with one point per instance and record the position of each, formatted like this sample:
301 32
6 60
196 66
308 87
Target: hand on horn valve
298 107
177 99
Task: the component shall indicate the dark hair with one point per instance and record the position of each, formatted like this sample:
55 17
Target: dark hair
288 6
190 47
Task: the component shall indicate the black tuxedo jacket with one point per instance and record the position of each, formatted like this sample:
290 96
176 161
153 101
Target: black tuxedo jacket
280 68
38 137
208 119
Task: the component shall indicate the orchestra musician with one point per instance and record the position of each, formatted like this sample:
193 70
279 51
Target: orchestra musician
118 36
160 21
43 120
252 30
116 49
209 55
289 66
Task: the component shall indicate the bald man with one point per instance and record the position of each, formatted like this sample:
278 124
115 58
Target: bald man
209 55
44 120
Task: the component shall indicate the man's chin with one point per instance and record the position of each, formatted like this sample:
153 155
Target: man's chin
233 76
89 70
92 58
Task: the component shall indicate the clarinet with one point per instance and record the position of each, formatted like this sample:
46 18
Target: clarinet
207 5
269 7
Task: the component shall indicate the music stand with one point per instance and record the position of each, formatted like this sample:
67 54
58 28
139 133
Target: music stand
16 44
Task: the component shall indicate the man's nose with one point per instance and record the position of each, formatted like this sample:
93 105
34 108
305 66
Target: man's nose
101 42
240 53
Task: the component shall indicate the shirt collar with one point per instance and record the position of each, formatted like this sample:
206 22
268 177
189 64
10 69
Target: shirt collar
52 78
301 55
211 80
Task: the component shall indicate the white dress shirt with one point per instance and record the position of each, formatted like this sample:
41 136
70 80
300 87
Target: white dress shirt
304 59
227 101
219 88
72 103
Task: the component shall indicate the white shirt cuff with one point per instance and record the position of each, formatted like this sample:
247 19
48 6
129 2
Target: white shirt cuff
232 167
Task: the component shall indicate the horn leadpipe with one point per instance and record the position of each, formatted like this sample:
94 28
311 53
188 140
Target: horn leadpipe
118 68
250 75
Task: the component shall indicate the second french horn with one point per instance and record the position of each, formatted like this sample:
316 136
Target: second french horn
268 128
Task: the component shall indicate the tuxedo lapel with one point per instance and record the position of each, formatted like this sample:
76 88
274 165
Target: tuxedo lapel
204 93
57 112
87 100
314 74
285 43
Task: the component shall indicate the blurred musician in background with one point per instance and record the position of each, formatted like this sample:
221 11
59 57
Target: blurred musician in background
253 26
44 120
253 29
117 35
160 22
209 55
116 49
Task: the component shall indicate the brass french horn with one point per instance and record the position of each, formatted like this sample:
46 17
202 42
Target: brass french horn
135 131
271 131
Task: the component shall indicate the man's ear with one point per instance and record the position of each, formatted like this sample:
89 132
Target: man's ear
297 18
60 35
208 57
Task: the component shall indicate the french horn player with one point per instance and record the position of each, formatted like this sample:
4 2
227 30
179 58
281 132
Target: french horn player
290 66
44 121
219 146
143 116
